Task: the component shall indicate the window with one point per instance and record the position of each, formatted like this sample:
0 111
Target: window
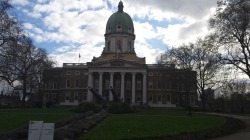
128 84
58 86
177 99
68 84
129 46
118 84
159 97
77 72
181 87
67 95
76 96
108 46
106 84
138 85
96 84
84 96
54 85
68 72
119 45
47 96
150 74
76 83
47 86
150 85
54 96
168 85
158 84
150 97
168 98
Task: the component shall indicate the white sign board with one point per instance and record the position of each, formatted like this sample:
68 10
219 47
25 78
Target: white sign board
47 131
35 128
41 131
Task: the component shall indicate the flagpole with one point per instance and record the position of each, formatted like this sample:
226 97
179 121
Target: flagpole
79 58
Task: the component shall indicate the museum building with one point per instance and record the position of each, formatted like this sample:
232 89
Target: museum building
119 68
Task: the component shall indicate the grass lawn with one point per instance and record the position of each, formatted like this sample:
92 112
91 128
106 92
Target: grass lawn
11 119
150 123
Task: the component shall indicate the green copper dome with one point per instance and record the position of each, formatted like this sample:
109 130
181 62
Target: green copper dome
120 21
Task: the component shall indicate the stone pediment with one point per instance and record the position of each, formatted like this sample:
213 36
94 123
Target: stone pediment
117 63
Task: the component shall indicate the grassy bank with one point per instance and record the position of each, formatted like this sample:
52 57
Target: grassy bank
11 119
152 123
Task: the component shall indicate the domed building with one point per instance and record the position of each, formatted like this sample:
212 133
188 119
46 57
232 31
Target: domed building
119 74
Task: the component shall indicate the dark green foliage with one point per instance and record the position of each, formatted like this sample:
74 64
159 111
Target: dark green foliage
84 107
119 108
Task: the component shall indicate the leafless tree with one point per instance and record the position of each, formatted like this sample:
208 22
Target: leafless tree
231 26
200 57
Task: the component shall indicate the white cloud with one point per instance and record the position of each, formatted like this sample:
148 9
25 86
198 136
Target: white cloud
20 2
144 50
83 22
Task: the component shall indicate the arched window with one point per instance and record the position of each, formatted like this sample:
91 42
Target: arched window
119 45
108 46
129 46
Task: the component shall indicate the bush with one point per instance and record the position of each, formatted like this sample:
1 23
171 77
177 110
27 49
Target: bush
84 107
119 108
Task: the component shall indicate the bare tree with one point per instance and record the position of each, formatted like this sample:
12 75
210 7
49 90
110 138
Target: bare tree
231 25
24 64
200 57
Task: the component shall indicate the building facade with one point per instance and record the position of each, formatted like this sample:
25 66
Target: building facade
119 67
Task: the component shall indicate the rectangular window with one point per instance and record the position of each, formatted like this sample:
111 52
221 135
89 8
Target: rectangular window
177 99
168 85
54 97
138 85
128 84
76 96
54 85
150 97
77 72
47 96
85 83
150 85
159 97
77 83
96 84
68 72
118 84
84 96
67 96
106 84
68 84
168 98
58 86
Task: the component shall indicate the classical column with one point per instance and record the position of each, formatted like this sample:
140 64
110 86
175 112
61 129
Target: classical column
100 83
111 85
144 89
90 84
122 85
133 88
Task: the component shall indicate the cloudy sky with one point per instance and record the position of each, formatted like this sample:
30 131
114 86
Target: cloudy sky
66 28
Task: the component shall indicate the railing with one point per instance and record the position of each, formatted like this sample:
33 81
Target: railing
74 64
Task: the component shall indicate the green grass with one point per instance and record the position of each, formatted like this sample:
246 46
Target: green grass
11 119
152 123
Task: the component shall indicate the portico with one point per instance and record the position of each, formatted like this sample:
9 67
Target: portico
130 85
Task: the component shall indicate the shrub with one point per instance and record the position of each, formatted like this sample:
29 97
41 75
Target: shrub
84 107
119 108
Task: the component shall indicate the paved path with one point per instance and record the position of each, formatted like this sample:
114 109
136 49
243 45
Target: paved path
242 134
